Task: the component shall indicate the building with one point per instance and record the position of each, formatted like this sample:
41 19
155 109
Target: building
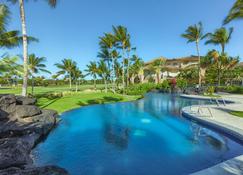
172 66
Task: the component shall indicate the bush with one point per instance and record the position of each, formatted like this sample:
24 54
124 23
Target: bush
231 89
210 90
164 86
140 89
182 84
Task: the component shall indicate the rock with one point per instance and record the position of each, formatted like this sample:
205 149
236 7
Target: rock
22 126
47 170
7 100
25 100
3 115
23 111
14 152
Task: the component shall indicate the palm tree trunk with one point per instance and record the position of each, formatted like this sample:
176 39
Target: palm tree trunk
128 65
95 83
199 65
25 48
32 85
105 85
70 81
76 86
113 75
123 71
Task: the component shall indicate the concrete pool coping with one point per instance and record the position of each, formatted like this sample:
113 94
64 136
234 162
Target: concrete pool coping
219 119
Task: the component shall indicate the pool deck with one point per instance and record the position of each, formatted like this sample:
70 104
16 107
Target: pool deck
219 118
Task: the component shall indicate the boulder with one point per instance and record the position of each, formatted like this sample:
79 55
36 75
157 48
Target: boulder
7 99
14 152
25 100
47 170
23 111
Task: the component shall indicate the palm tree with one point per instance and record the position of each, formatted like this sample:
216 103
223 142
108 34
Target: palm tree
106 57
8 39
108 42
93 71
36 65
77 75
123 39
66 67
157 66
220 37
103 72
194 33
138 67
52 3
236 12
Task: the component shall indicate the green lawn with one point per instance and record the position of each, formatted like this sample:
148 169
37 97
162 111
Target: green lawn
237 113
61 99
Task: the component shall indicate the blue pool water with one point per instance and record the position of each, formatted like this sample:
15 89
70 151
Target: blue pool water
146 137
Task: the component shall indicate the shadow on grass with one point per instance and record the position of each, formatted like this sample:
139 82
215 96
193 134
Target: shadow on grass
100 101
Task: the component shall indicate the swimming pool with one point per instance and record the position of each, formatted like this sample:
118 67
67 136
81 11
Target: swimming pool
145 137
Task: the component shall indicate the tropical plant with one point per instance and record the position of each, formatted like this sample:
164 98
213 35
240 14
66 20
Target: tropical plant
194 33
36 65
236 12
66 68
137 69
8 39
222 63
103 72
52 3
77 76
123 39
157 67
220 37
108 42
92 71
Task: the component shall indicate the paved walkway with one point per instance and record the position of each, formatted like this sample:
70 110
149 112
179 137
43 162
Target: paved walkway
218 117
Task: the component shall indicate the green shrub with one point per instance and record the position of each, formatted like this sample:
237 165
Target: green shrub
210 90
231 89
165 85
182 84
140 89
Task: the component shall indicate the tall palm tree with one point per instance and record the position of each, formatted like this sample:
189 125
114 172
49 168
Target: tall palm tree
106 57
194 33
108 42
93 71
157 66
36 65
220 37
66 67
52 3
236 12
103 72
123 39
8 39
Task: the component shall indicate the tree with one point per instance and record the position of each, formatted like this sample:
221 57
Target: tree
222 63
138 68
157 66
103 72
93 71
108 42
52 3
123 39
66 67
194 33
8 39
236 12
36 65
77 76
220 37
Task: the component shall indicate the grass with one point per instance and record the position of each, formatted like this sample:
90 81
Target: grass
61 99
237 113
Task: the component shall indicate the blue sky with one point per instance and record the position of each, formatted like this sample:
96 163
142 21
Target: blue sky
72 29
